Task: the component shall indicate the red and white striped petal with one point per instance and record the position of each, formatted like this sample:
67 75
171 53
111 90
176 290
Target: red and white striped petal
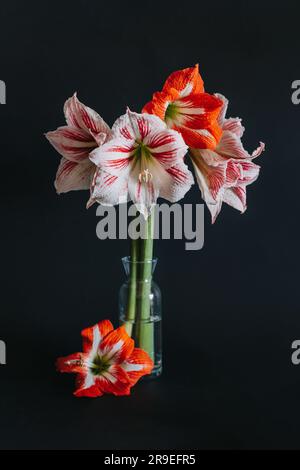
210 170
73 363
215 209
115 381
135 126
257 152
236 198
185 81
86 386
117 346
230 146
234 172
137 365
235 126
73 176
250 172
223 111
178 185
115 156
196 111
201 138
93 336
166 146
108 189
72 143
81 116
232 124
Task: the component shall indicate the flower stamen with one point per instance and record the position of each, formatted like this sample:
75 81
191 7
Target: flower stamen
145 176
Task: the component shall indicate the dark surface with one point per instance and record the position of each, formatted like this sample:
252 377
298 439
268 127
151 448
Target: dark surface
231 310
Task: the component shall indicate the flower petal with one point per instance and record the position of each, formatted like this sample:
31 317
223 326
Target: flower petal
137 365
108 189
115 156
185 81
261 148
73 176
116 346
236 198
160 102
72 143
166 146
86 386
250 172
201 138
93 336
221 117
234 125
230 146
234 172
115 380
70 364
197 111
210 170
81 116
180 183
135 126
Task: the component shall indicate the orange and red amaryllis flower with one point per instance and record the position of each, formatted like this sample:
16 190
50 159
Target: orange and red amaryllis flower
185 107
85 130
109 362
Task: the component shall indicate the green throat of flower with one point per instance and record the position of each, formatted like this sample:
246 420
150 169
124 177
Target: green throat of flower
171 111
142 151
99 365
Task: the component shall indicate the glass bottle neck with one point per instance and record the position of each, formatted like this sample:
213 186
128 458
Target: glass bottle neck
139 271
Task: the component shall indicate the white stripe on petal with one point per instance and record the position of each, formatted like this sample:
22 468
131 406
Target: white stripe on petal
96 340
111 352
89 380
109 377
132 367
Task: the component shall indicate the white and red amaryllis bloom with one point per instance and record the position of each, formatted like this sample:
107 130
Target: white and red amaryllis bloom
85 130
109 362
142 161
185 107
224 173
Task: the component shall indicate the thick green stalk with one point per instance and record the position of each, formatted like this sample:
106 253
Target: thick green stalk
131 306
145 326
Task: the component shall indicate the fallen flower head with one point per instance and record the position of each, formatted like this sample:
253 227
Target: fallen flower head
109 362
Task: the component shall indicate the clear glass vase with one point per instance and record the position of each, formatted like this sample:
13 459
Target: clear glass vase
140 309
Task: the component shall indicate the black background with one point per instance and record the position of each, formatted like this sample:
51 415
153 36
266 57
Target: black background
231 310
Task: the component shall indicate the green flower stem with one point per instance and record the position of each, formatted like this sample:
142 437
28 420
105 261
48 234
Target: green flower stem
131 306
145 331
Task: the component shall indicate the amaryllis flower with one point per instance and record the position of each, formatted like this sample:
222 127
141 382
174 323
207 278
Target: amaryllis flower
85 131
142 160
224 173
109 362
184 106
